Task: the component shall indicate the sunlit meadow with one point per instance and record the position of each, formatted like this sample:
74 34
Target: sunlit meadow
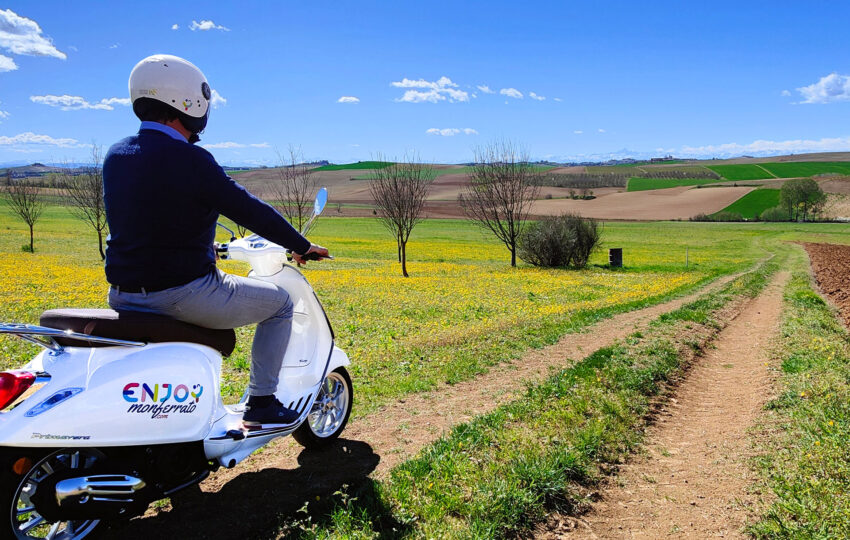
462 310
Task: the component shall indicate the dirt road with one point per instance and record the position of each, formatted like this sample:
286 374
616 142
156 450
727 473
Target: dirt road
692 482
281 478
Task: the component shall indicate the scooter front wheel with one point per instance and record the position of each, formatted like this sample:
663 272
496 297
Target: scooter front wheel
330 411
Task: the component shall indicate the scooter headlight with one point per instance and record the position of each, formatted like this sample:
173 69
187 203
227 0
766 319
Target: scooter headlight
13 384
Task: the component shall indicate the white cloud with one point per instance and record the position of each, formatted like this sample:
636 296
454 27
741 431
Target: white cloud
785 93
32 138
4 114
348 99
450 132
432 91
7 64
833 87
75 103
486 89
175 26
114 45
578 132
217 100
511 92
20 35
231 144
764 148
532 95
558 99
600 130
205 25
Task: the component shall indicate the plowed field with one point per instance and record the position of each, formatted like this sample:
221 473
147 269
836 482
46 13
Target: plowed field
831 264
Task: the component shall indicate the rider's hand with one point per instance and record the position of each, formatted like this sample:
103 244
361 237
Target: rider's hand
322 252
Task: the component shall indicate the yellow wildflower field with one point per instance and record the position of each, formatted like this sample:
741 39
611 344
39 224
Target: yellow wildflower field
462 310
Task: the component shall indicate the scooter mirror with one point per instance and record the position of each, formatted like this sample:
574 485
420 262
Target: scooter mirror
321 201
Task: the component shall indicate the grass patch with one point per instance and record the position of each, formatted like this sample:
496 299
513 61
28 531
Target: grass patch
646 184
806 460
354 166
754 203
497 475
807 168
740 172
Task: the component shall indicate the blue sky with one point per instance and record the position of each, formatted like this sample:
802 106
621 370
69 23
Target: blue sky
565 80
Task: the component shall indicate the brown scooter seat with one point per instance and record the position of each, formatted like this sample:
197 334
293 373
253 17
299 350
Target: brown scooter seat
134 326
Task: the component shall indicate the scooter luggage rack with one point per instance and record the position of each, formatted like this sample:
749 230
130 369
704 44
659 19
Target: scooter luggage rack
28 331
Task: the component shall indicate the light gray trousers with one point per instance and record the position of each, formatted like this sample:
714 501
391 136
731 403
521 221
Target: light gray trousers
219 301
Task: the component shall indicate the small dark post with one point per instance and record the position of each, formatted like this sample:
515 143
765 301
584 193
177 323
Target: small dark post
615 257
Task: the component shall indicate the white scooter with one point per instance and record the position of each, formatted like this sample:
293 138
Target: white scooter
122 409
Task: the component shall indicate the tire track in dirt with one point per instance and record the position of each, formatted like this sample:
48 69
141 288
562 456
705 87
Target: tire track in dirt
280 478
692 482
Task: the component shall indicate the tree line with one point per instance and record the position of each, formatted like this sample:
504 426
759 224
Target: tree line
503 186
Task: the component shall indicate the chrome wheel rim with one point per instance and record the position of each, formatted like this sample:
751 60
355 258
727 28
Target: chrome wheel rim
330 407
25 520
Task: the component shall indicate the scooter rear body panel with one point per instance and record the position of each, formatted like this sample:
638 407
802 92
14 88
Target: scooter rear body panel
157 394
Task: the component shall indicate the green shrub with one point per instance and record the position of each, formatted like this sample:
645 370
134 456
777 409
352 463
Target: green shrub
565 240
777 213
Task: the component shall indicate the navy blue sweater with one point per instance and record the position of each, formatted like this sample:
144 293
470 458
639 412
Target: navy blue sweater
163 197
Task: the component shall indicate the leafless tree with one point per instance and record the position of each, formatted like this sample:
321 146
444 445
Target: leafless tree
399 193
83 191
294 188
26 202
501 192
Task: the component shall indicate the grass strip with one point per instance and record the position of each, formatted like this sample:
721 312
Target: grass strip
647 184
499 474
806 460
354 166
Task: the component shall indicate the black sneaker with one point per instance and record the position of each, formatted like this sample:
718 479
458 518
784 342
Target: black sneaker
264 414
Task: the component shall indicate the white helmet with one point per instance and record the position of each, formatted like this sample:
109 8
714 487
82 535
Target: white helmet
175 82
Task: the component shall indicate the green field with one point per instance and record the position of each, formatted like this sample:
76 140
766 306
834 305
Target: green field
463 310
804 169
741 172
752 204
354 166
646 184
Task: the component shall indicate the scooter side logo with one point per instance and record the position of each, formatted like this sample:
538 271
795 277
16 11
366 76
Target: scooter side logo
153 399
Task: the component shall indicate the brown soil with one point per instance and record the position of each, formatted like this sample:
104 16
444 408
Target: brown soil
282 477
831 265
840 186
672 203
693 480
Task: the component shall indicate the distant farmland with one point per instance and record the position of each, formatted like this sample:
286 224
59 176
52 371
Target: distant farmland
751 205
645 184
794 170
741 172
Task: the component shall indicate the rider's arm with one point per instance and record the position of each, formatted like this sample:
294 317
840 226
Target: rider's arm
230 199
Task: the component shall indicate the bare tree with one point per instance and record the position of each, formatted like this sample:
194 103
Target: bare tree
294 188
399 192
26 202
502 190
83 192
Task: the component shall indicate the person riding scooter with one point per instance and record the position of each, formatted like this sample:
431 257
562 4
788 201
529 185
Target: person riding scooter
163 196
